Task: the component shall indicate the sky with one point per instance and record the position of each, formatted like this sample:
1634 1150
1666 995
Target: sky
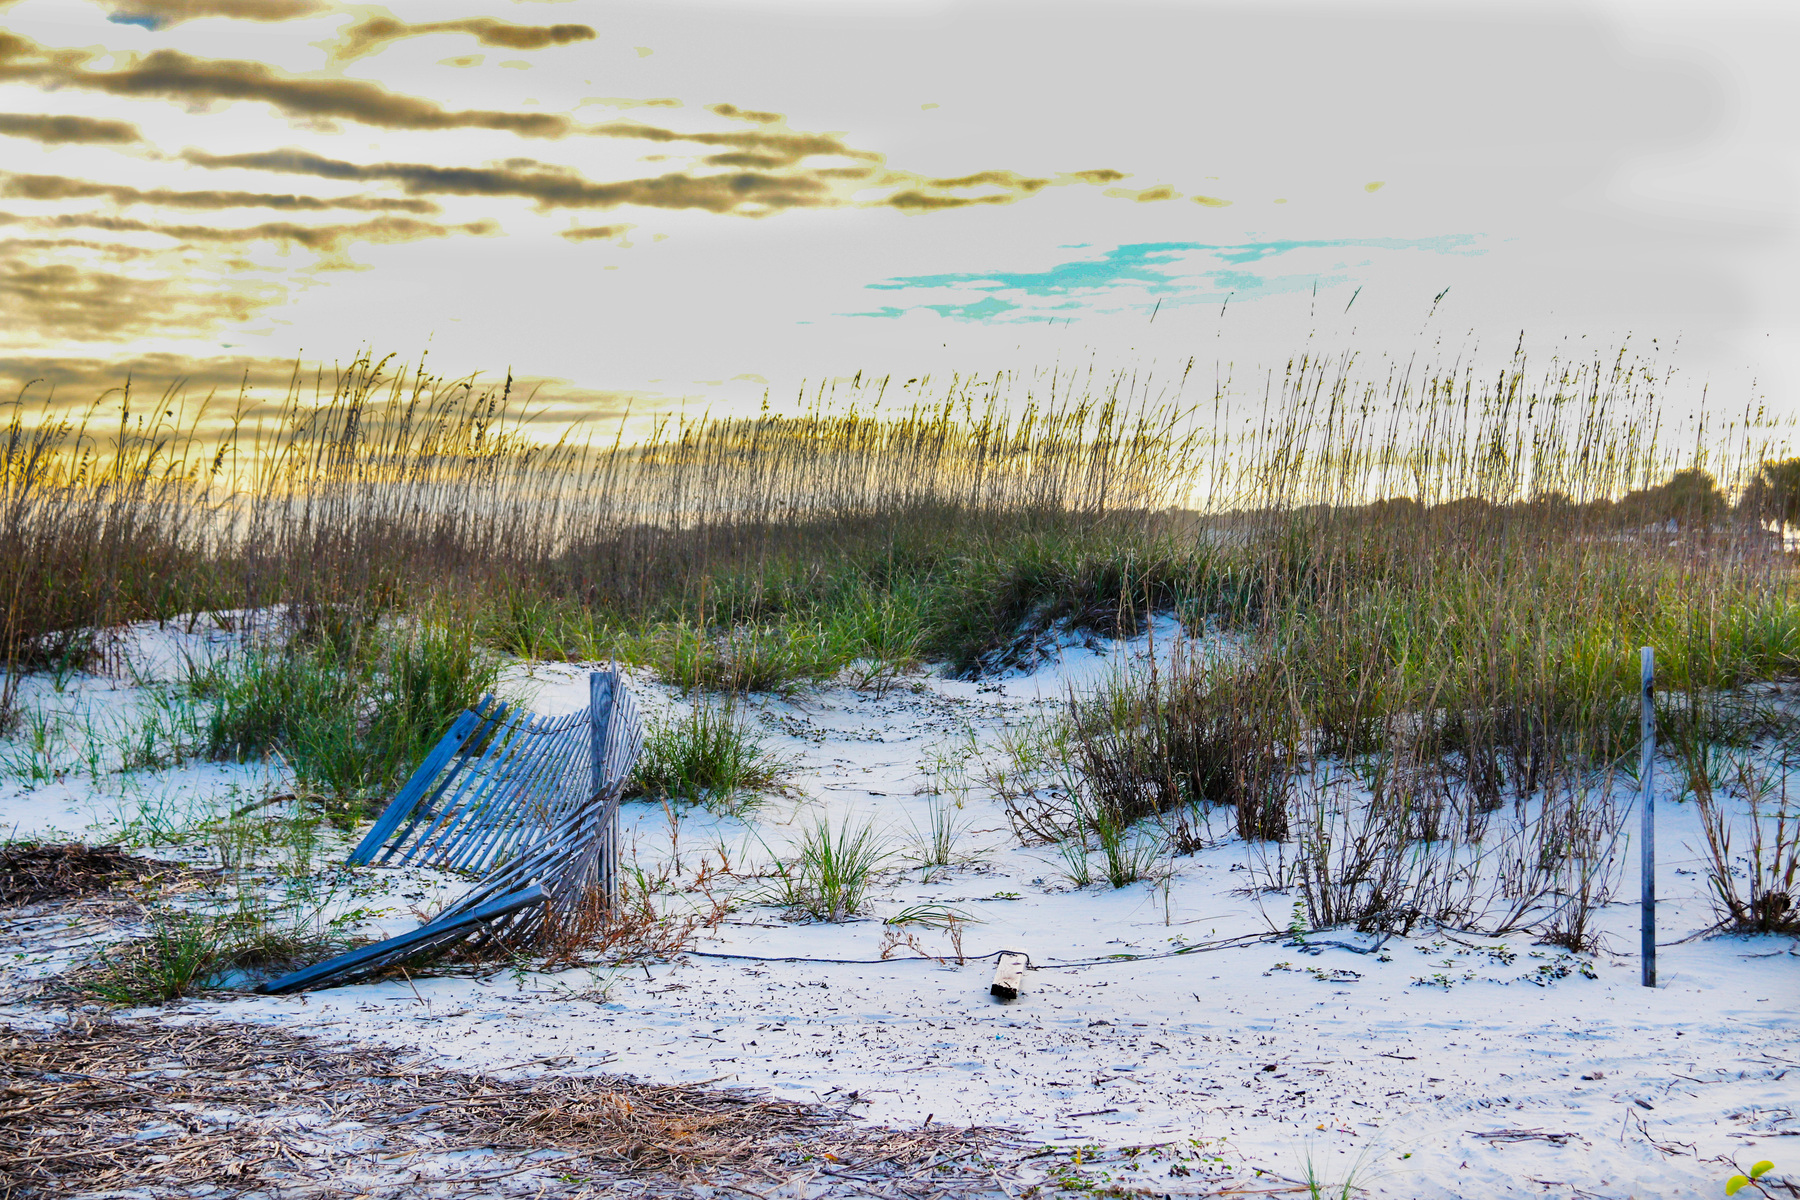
693 205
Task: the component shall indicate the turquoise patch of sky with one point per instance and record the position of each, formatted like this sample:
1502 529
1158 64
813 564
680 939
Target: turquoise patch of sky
1140 274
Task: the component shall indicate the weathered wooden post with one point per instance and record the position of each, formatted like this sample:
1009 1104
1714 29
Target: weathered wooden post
600 706
1009 975
1647 801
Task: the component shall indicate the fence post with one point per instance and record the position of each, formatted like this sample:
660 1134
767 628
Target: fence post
600 703
1647 801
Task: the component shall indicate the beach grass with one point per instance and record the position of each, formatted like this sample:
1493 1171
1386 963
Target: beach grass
1432 584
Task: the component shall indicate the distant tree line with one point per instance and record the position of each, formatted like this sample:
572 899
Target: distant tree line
1690 499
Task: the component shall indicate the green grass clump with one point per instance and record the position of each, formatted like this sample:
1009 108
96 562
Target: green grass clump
185 952
710 755
179 954
940 842
828 878
766 657
351 715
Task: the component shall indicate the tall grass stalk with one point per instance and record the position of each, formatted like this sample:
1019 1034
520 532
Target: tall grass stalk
939 843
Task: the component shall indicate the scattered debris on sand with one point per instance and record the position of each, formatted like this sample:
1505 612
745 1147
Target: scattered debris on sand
97 1104
34 873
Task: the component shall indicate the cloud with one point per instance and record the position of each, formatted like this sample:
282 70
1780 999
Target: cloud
920 194
328 239
913 200
172 75
367 36
58 298
596 233
1134 275
631 102
747 192
159 14
81 378
1147 195
58 130
757 167
745 114
551 187
118 252
91 289
258 387
780 147
59 187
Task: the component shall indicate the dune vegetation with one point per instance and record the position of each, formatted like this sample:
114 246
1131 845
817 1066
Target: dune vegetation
1434 586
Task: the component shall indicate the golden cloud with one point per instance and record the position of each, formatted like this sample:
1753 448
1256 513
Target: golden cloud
913 200
209 390
756 176
328 239
172 12
87 377
745 114
782 147
1147 195
745 193
551 187
59 298
116 251
59 187
597 233
367 36
59 130
172 75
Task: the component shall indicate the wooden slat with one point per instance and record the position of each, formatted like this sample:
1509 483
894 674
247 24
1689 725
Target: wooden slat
415 788
427 809
482 775
544 799
438 934
488 813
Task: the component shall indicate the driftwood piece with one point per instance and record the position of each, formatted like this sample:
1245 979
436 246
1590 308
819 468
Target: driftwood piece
1009 975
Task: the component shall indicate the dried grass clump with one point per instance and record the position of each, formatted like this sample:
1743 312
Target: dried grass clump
96 1105
1752 853
630 926
32 873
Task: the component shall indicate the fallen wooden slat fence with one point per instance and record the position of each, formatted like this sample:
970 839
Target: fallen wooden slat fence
532 803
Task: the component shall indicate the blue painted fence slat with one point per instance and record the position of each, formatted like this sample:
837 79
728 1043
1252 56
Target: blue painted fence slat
414 790
444 932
